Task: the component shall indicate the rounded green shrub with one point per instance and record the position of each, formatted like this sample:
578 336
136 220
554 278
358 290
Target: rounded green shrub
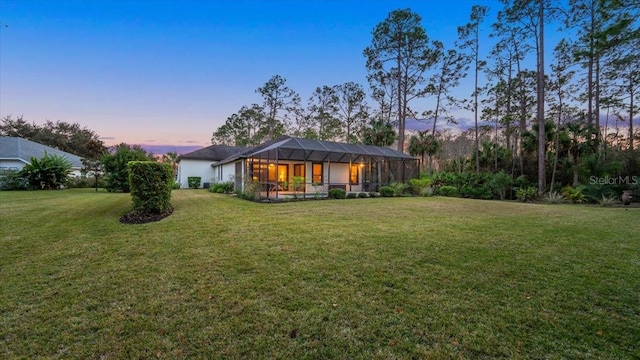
352 195
387 191
363 195
448 190
337 194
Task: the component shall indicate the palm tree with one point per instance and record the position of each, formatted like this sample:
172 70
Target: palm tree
424 144
379 132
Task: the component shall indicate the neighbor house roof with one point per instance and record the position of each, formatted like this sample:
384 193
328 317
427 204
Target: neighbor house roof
15 148
212 153
289 148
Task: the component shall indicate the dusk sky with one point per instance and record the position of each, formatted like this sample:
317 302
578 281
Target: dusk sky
171 72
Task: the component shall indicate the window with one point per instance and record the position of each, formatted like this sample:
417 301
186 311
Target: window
353 174
316 173
298 170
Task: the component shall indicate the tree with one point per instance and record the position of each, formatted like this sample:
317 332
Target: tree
379 133
400 52
47 173
531 15
424 144
171 158
323 123
93 168
452 66
470 39
71 138
353 110
246 127
277 97
115 165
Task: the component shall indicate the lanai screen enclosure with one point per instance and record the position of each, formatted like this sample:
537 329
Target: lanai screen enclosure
318 166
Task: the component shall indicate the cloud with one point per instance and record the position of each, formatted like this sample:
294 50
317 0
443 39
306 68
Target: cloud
107 138
163 149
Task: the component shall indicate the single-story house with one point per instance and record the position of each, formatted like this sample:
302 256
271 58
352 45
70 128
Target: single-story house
198 163
17 152
287 166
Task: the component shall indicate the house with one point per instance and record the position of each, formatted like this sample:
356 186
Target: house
318 166
17 152
198 163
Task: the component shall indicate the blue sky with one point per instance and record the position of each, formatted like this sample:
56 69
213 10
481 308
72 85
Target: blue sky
171 72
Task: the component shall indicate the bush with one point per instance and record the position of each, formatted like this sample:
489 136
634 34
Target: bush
527 194
448 190
374 194
337 194
418 186
363 195
554 197
608 201
352 195
48 172
476 192
428 191
500 183
575 195
176 185
12 180
150 183
387 191
194 181
85 182
398 188
115 165
222 187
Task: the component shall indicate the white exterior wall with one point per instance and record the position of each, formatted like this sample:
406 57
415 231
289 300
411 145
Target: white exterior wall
190 167
13 164
16 164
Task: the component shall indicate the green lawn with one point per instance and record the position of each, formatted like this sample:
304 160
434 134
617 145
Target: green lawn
426 278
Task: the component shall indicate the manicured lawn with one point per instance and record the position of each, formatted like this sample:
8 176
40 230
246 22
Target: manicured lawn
433 278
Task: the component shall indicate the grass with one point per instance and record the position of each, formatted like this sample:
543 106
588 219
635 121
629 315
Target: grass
433 278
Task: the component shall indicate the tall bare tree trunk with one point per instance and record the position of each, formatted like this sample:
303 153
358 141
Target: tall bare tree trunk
540 108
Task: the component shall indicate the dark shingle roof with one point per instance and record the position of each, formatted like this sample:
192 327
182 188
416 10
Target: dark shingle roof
212 153
23 149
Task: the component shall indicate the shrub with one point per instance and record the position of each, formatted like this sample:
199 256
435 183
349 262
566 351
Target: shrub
337 194
554 197
476 191
352 195
150 183
575 195
608 201
387 191
527 194
48 172
374 194
363 195
222 187
12 180
194 181
418 185
115 165
84 182
448 190
176 185
398 188
428 191
500 183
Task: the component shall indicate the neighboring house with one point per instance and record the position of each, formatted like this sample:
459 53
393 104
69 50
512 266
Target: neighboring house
198 163
17 152
322 165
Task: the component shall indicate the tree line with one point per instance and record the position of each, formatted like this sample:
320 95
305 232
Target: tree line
555 119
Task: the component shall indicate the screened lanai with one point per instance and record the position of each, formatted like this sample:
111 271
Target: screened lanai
302 167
